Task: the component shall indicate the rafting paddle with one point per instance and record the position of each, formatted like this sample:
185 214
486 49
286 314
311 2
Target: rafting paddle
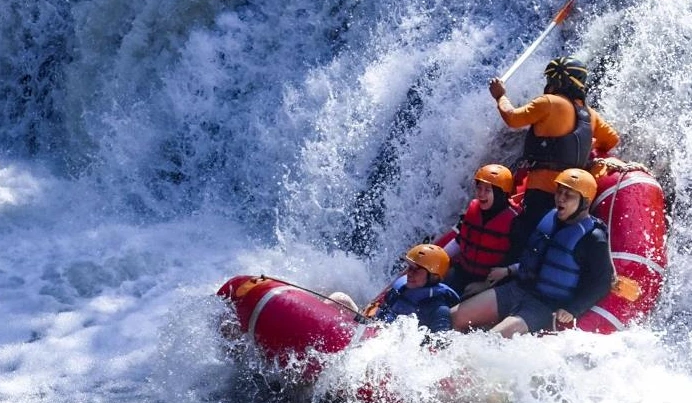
559 17
627 288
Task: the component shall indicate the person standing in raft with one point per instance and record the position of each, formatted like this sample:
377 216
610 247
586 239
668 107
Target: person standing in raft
482 240
564 270
563 130
420 291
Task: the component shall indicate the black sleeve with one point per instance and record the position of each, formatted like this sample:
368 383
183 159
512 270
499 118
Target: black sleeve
517 241
592 253
457 228
461 220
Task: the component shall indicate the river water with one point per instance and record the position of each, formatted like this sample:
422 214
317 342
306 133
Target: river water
152 149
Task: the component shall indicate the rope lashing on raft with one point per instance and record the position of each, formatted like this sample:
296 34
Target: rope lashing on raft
610 165
359 317
622 286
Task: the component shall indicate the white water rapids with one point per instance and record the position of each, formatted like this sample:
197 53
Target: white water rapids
151 149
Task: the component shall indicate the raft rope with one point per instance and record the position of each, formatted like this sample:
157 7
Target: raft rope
359 317
610 221
623 168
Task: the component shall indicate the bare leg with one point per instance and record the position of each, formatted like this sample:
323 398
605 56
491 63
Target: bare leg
510 326
477 311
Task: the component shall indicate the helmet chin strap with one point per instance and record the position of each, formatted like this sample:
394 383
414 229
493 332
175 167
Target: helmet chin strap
428 279
431 279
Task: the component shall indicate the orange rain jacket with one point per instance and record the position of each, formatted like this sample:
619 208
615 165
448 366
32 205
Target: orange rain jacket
554 116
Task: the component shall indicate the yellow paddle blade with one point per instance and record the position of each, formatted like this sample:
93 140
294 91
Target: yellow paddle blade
627 288
371 309
247 286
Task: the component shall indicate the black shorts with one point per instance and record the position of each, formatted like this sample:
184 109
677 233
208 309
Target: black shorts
512 300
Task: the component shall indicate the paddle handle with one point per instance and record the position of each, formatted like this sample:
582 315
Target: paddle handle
559 17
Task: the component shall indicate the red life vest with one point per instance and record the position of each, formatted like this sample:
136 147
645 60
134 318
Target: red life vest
483 246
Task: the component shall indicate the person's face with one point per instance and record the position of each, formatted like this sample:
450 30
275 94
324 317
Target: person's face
566 201
484 194
416 276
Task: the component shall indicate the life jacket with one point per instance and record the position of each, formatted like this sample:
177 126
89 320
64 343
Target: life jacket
559 153
483 246
401 300
548 262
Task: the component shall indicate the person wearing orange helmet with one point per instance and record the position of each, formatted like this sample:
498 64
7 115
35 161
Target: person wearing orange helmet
482 239
563 131
565 268
419 291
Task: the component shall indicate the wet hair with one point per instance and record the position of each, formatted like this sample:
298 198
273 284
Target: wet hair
570 91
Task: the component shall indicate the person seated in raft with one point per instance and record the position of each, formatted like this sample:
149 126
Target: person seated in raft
482 240
420 291
563 132
565 268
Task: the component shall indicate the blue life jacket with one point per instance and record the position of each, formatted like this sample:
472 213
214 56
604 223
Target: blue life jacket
559 153
401 300
548 259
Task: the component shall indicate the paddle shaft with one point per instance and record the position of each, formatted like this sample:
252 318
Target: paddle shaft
561 15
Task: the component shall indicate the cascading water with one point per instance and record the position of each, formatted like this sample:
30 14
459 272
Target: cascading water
151 149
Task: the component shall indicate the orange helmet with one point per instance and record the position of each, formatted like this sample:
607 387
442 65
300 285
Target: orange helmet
432 258
580 181
496 175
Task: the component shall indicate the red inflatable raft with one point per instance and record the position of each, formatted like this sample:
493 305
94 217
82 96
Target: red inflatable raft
282 318
631 202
